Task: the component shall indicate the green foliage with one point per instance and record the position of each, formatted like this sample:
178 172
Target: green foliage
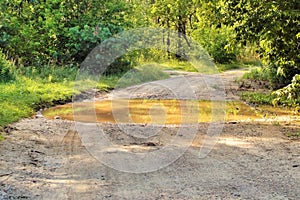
108 82
249 56
119 66
194 17
286 96
214 35
20 98
178 65
230 66
259 73
258 98
58 32
274 27
39 33
1 137
81 40
6 70
289 95
33 89
217 42
175 14
293 135
49 73
141 74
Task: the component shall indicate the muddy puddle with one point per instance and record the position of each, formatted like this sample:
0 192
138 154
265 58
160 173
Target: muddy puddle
162 111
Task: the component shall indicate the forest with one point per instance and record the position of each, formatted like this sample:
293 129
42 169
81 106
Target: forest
43 43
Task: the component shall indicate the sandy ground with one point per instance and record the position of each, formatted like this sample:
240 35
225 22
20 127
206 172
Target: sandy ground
50 159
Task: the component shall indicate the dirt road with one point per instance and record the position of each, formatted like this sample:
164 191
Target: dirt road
47 159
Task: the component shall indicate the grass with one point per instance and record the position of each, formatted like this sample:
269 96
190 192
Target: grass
49 73
286 97
37 88
257 73
178 65
230 66
142 74
295 135
240 64
21 98
258 98
244 61
107 83
24 96
188 67
32 89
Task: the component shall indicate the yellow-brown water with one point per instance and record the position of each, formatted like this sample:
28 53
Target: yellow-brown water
159 111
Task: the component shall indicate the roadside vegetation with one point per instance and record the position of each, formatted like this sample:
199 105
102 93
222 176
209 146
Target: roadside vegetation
288 96
43 43
26 91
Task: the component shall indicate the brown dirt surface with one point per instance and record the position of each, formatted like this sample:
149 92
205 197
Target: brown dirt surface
46 159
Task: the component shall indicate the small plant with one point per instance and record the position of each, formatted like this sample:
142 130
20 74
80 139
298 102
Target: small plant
257 74
276 123
258 98
295 135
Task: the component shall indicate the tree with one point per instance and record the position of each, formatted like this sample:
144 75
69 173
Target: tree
274 27
177 15
35 32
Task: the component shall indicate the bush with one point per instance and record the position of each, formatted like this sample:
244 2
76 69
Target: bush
260 74
119 66
58 32
289 95
217 41
274 27
6 70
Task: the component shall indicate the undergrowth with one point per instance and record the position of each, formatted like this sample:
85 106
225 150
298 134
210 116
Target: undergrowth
257 73
188 67
285 96
34 88
294 135
258 98
178 65
21 98
141 74
29 89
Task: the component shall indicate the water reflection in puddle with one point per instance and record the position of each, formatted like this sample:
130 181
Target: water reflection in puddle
160 111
